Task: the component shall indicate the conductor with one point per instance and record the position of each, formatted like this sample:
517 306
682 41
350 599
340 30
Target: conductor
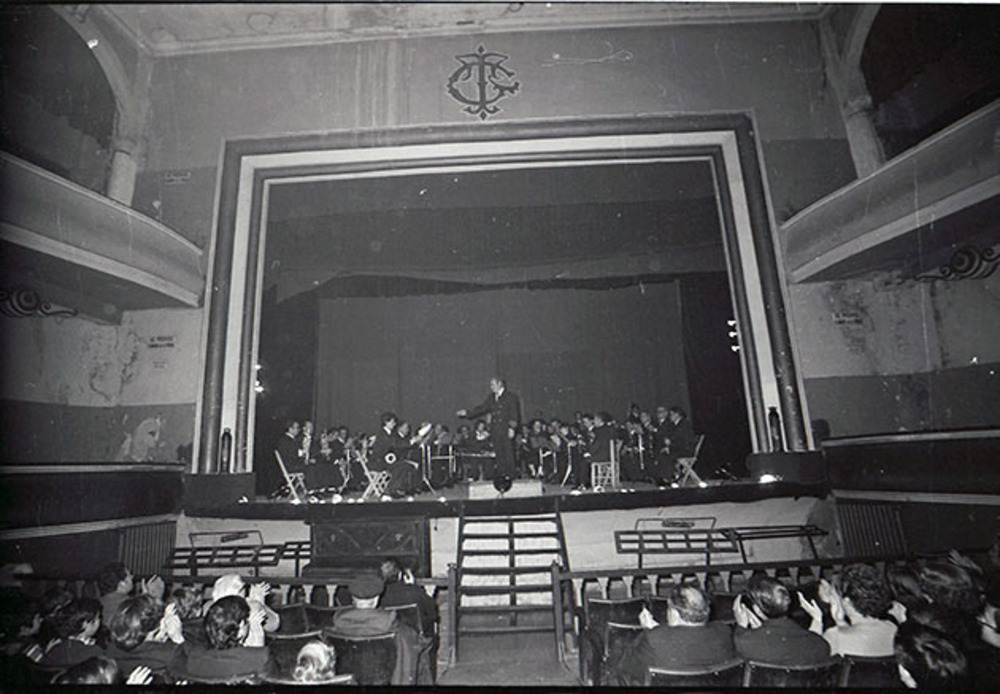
504 409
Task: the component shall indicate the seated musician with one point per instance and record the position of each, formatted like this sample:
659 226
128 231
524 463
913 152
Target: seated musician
388 453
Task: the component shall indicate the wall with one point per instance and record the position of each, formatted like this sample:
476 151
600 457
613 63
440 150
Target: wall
773 69
74 390
883 355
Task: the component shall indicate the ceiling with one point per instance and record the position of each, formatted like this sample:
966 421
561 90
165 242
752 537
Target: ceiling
166 29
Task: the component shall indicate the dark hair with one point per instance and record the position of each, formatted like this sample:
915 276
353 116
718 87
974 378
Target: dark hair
930 657
96 670
951 586
958 626
866 588
388 417
188 601
70 620
690 602
770 595
136 617
677 409
223 620
904 584
52 602
110 576
390 570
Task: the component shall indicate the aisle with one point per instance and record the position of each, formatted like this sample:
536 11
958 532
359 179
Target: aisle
511 660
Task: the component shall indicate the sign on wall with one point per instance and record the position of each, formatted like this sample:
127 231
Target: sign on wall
481 81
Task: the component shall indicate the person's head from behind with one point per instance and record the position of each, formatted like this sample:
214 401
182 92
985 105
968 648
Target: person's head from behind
865 591
958 626
391 571
80 619
115 578
365 591
19 618
135 619
316 662
229 584
187 601
95 670
904 584
927 659
768 597
952 586
227 622
687 605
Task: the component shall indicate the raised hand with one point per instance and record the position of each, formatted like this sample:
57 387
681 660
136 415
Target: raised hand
814 611
462 413
140 675
259 591
153 586
646 619
744 615
170 624
408 577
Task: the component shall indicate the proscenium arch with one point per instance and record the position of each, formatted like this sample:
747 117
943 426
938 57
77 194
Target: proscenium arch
250 166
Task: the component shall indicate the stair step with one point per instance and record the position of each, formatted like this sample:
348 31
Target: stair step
495 552
505 570
505 536
504 609
529 629
504 589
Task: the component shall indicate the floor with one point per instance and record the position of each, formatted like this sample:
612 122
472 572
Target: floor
509 660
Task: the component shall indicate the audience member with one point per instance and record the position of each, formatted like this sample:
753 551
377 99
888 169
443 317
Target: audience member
687 641
315 662
904 584
76 624
143 633
20 623
927 659
858 613
256 594
400 589
764 632
236 650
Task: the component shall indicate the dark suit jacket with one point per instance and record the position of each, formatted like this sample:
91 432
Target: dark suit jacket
781 642
397 594
675 648
600 447
502 411
682 438
384 444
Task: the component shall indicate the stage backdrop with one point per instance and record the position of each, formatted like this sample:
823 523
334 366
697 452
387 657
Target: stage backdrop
561 350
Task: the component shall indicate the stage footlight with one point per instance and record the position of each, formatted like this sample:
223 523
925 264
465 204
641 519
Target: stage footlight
385 497
768 478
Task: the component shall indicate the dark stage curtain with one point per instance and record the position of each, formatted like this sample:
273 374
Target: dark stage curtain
561 350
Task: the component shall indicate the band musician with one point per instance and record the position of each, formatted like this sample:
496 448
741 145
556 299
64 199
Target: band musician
387 453
504 409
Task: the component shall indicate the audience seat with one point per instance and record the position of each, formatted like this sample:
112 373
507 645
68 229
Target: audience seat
319 617
618 639
861 671
371 659
294 619
285 649
408 615
824 675
335 681
598 613
726 675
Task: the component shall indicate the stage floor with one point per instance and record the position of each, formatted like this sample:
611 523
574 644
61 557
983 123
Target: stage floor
482 499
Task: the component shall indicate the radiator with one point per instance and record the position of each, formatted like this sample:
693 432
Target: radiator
145 548
870 528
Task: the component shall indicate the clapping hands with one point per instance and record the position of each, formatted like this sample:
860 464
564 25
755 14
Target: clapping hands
259 591
140 675
744 616
153 587
647 620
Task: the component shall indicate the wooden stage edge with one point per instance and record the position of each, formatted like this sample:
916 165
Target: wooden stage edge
439 505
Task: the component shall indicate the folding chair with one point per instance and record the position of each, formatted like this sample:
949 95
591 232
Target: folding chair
606 474
686 466
378 480
296 481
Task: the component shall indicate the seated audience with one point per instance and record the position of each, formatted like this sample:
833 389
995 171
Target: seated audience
983 659
315 662
687 641
401 590
20 622
76 624
143 633
235 651
928 659
952 586
858 612
765 633
904 584
116 583
188 602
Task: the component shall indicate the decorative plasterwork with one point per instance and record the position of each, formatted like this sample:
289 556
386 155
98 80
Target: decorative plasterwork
966 263
25 303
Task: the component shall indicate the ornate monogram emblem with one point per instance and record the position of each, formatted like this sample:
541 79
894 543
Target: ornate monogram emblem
482 81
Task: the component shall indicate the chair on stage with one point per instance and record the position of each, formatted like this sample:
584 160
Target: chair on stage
686 466
607 473
296 482
378 480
